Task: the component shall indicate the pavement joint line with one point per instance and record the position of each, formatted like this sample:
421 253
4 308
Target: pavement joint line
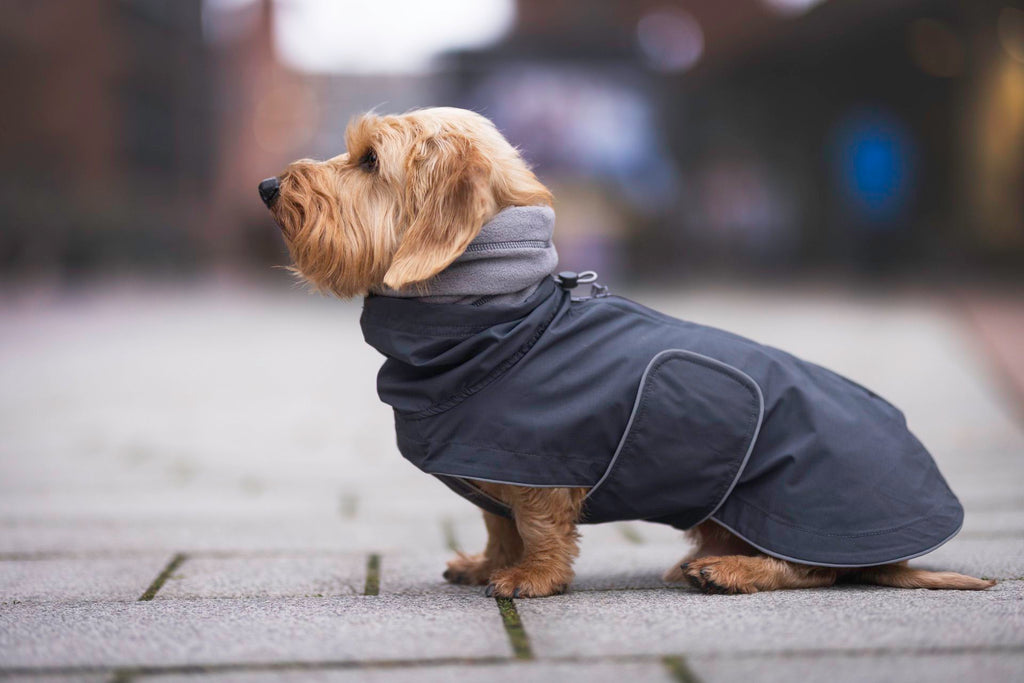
28 557
349 505
372 575
451 540
36 555
680 670
682 588
517 637
161 670
159 581
313 665
630 534
116 554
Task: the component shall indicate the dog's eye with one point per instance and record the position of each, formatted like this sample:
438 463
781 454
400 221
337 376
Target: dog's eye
369 161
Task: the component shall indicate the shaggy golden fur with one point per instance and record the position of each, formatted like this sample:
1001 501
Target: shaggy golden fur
396 209
405 200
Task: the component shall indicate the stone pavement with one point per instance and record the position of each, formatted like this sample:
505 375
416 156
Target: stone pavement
197 483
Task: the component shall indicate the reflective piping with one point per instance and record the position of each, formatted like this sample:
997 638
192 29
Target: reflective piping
837 566
753 439
476 495
636 405
510 483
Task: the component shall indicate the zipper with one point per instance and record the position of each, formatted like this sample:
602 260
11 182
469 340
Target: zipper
505 246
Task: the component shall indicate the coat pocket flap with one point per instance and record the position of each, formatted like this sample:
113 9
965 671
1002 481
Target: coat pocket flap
693 426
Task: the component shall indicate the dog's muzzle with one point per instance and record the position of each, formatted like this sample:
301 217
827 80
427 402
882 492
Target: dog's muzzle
269 190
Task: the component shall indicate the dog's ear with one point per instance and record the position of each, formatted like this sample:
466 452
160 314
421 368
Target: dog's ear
449 198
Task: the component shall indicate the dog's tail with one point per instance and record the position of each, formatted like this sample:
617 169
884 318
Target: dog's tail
902 576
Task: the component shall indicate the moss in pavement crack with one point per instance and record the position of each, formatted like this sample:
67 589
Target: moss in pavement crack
514 628
679 670
159 582
372 575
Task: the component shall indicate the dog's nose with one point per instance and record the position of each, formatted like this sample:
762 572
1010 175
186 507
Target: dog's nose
269 189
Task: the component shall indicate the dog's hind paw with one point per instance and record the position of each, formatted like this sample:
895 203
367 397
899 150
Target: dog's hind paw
714 577
468 570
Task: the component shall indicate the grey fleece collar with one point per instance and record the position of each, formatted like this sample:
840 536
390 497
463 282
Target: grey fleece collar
503 265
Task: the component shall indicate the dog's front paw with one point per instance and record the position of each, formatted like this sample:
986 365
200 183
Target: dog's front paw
468 570
520 582
717 576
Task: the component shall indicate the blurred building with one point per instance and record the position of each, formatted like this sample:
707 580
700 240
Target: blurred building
750 135
774 134
107 145
129 134
868 122
136 131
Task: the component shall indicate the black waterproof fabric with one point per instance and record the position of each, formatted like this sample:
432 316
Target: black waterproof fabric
666 420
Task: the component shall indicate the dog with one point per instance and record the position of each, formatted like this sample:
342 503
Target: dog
399 219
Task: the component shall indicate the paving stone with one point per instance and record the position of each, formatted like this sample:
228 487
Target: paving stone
241 499
68 580
632 533
423 497
627 555
990 522
178 632
294 465
608 563
264 577
467 532
630 566
994 558
608 560
849 617
988 480
65 678
1002 492
472 536
512 672
640 565
419 573
996 667
227 535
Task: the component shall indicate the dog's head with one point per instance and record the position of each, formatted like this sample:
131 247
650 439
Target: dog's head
402 203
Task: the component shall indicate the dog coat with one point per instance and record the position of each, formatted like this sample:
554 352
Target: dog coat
664 420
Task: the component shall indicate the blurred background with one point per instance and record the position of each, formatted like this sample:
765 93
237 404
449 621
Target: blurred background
752 137
843 179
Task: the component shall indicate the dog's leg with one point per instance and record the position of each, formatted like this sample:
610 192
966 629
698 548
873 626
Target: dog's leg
504 548
709 540
902 576
546 521
732 574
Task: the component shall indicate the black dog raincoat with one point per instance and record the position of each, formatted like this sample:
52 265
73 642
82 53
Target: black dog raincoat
665 420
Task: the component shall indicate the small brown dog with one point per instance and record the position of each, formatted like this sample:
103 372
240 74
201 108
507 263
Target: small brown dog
397 209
